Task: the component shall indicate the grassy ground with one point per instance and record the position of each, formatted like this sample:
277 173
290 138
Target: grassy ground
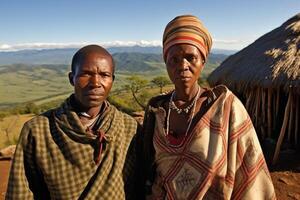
19 87
10 128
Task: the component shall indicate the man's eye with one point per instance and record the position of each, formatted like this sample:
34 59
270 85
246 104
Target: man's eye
106 75
84 75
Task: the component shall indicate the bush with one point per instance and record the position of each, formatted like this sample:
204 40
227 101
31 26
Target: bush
121 104
3 114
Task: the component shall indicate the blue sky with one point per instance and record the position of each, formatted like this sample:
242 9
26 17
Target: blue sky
57 23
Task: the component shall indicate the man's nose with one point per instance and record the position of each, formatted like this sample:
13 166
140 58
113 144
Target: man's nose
95 80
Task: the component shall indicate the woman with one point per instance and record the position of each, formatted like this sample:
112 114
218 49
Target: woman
198 143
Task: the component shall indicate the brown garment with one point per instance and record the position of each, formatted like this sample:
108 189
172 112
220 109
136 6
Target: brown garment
56 159
221 157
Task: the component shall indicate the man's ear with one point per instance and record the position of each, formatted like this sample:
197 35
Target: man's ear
71 78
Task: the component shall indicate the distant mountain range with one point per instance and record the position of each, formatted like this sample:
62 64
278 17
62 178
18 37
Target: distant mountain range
125 62
40 74
64 56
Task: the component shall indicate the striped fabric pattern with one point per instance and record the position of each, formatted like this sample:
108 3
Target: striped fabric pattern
55 158
221 158
187 29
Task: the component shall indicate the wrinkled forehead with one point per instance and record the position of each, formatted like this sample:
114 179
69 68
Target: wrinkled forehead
94 57
184 49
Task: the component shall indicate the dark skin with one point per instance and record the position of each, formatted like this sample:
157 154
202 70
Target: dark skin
92 80
184 65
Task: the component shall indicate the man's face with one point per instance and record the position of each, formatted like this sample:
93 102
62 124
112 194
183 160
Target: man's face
184 65
92 79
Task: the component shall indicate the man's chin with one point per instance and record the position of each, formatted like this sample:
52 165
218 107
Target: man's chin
93 103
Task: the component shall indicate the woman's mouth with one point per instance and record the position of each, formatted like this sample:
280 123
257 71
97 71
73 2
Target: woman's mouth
184 78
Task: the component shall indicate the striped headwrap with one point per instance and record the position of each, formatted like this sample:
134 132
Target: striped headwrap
187 29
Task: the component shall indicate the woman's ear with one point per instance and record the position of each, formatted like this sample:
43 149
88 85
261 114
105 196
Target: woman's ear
71 76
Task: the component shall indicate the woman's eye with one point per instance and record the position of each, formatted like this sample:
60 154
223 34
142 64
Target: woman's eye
174 60
192 58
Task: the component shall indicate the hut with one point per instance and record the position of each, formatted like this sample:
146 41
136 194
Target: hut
266 76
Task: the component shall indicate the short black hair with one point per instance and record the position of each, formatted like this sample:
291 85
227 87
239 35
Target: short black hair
81 53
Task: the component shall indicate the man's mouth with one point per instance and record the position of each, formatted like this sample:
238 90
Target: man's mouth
94 94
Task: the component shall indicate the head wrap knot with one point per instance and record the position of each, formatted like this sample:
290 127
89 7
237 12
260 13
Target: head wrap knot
187 29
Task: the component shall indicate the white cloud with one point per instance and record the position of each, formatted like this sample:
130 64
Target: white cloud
23 46
230 44
142 43
226 41
5 46
217 43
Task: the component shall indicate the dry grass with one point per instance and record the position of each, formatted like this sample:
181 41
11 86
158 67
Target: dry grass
10 128
272 61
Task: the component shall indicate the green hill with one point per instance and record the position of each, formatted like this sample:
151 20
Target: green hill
21 83
138 62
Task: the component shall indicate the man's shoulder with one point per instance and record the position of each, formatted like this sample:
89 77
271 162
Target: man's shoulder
39 120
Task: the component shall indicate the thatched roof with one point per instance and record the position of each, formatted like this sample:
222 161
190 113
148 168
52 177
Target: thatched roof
272 61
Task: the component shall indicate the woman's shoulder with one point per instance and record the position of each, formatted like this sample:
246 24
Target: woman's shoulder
158 100
219 91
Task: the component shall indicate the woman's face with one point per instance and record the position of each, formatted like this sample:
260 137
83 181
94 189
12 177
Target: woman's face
184 65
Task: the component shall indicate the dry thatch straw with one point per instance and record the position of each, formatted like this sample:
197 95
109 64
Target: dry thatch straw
267 73
272 61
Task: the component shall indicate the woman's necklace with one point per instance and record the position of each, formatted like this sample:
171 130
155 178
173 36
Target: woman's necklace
189 125
173 106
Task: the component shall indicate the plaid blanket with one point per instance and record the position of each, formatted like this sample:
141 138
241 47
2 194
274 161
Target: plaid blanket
221 157
56 159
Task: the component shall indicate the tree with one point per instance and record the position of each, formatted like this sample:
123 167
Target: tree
160 81
31 107
135 85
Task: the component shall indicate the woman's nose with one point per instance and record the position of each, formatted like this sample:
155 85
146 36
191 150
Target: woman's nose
183 64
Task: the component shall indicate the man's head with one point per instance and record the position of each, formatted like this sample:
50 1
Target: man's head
92 75
187 29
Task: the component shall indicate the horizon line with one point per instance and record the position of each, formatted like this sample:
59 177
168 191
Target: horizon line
117 43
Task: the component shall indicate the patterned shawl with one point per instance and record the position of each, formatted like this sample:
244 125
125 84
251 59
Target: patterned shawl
221 157
56 159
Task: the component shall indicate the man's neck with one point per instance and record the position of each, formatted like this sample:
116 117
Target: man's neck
91 112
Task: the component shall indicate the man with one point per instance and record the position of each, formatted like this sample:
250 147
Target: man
82 149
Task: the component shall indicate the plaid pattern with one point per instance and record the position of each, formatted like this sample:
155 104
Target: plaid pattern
221 157
55 158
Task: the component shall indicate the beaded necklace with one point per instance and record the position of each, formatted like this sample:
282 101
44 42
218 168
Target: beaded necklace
173 106
189 125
